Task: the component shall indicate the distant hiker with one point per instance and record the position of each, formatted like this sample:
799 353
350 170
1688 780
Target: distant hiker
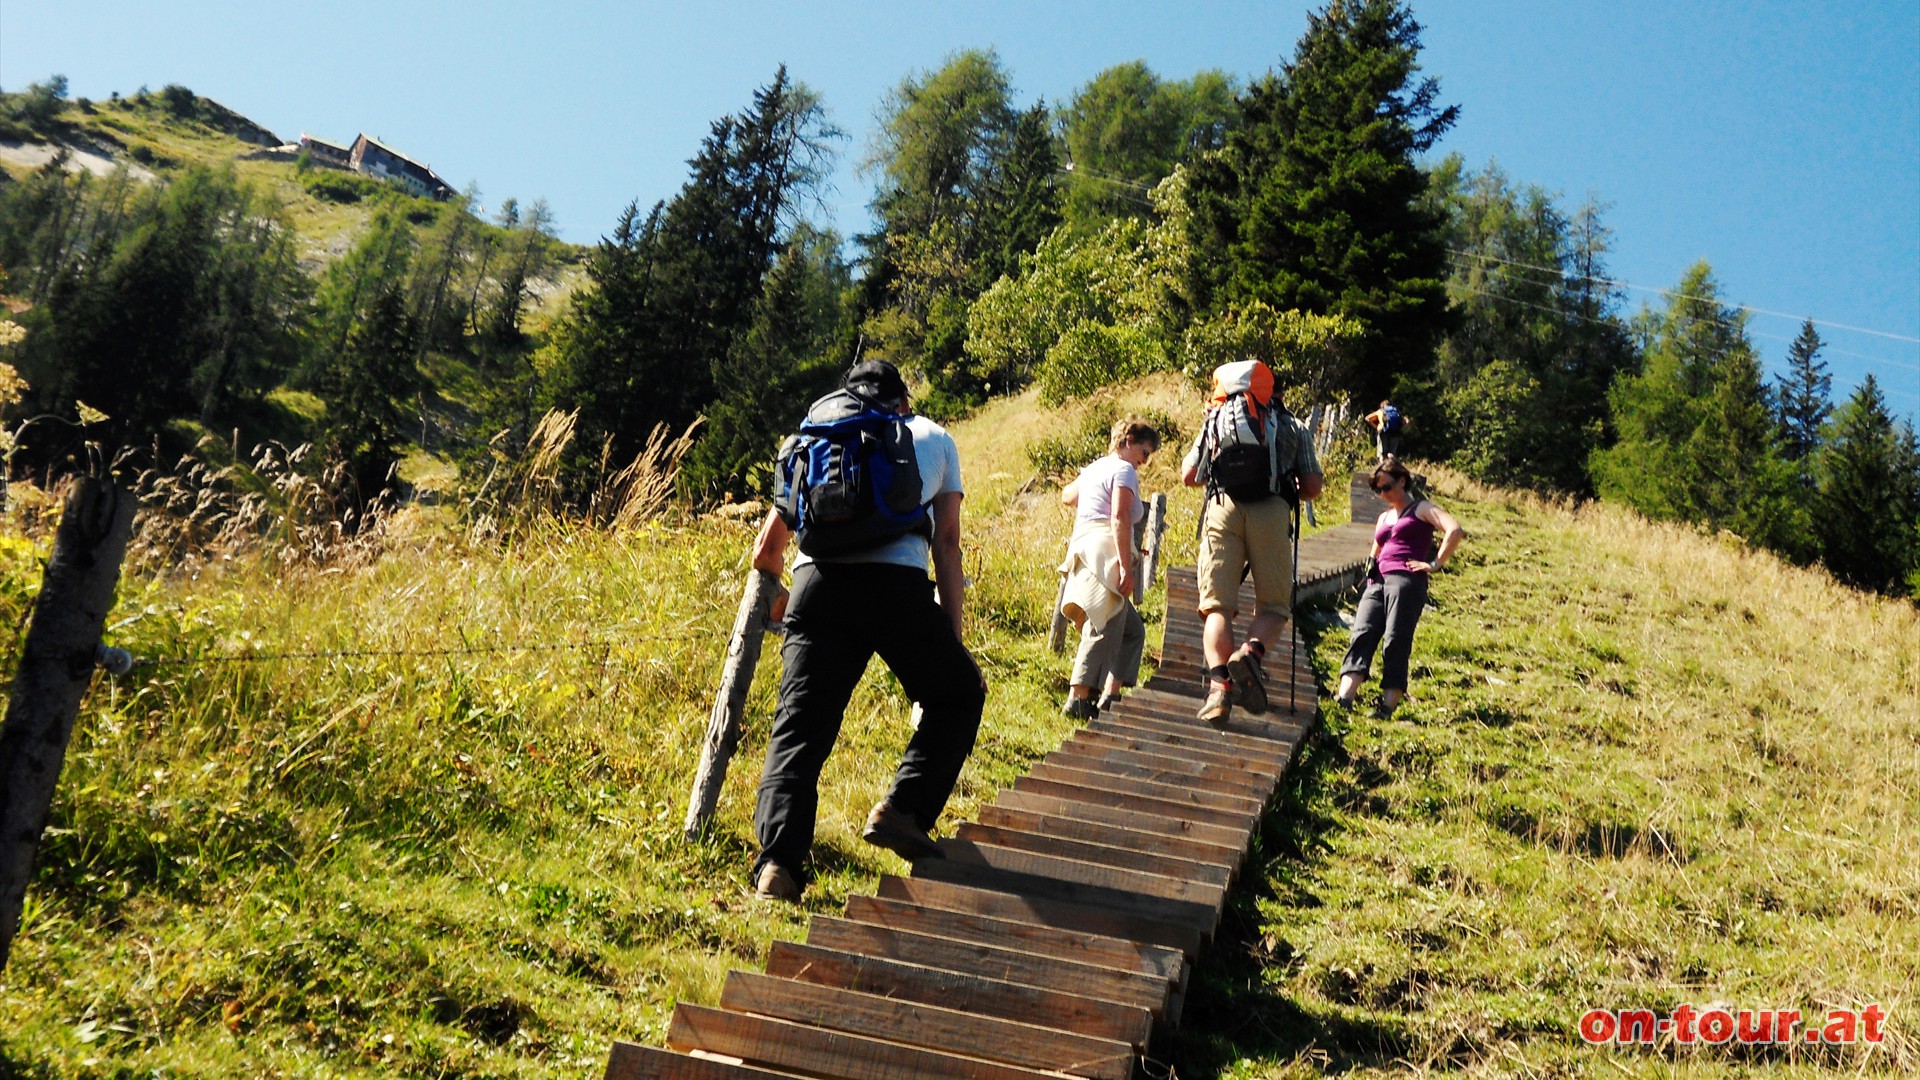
872 494
1396 591
1100 569
1388 423
1257 463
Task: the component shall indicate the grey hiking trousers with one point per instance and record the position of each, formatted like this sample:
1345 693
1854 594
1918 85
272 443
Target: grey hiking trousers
1390 609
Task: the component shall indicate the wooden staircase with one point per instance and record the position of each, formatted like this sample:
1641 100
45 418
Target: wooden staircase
1058 934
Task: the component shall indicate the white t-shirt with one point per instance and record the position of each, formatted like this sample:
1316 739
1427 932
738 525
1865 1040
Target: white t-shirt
1097 483
939 461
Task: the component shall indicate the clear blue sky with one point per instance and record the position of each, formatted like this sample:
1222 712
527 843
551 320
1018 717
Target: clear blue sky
1778 140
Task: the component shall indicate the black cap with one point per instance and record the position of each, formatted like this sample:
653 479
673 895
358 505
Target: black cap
877 381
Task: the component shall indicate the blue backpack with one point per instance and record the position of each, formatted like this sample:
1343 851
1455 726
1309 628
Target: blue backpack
849 480
1391 421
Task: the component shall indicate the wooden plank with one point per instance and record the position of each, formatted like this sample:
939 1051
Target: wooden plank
1209 894
1219 779
1087 851
1166 759
1043 1006
631 1061
1244 822
1188 688
1184 794
782 1044
1126 817
1100 950
991 961
927 1026
1095 832
1161 747
1200 918
1269 745
1043 911
1239 738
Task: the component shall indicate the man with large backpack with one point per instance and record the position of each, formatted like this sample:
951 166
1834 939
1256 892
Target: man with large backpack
1256 462
872 494
1389 422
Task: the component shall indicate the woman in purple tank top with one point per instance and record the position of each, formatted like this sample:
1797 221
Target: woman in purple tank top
1404 558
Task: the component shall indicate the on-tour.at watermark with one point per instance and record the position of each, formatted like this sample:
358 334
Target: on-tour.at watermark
1717 1025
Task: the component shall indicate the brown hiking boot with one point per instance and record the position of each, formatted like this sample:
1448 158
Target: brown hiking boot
895 831
1218 708
775 883
1249 682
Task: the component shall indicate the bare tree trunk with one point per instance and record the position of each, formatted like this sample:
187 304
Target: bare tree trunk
56 666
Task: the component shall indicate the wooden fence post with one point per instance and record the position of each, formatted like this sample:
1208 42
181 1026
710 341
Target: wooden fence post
1057 630
736 677
1156 531
56 666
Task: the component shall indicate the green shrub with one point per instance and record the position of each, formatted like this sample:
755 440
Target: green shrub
339 187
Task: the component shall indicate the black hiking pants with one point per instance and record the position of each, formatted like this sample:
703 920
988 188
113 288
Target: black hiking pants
838 616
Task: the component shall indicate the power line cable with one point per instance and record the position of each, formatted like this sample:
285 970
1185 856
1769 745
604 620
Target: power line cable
1605 322
1682 296
1826 348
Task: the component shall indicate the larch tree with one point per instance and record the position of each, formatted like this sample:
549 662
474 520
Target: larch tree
1697 441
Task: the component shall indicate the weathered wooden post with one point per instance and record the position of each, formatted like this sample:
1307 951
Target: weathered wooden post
1156 531
736 677
56 665
1057 631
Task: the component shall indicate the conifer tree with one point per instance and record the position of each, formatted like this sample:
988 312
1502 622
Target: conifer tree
1316 201
365 354
775 367
1867 505
1804 400
649 340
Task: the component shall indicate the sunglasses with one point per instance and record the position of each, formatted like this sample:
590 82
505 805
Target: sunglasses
1383 484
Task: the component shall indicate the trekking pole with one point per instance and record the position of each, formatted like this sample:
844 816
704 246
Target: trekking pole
1293 677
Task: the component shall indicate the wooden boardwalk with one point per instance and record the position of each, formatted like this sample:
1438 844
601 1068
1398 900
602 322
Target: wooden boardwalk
1058 933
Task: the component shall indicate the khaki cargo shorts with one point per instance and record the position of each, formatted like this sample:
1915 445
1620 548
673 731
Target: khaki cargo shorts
1233 535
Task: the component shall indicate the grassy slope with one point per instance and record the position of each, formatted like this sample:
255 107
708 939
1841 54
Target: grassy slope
471 866
1642 768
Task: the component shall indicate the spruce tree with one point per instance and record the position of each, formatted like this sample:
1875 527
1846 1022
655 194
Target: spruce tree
1867 505
649 340
1804 400
1317 203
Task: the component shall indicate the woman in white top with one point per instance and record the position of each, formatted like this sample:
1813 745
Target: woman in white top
1101 563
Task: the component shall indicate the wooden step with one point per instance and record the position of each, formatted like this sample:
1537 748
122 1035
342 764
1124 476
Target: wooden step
1094 832
1272 743
1104 796
1043 911
991 961
1223 780
1207 895
930 1027
1156 748
782 1044
1086 851
1044 1006
1184 794
1126 817
1197 917
1100 950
